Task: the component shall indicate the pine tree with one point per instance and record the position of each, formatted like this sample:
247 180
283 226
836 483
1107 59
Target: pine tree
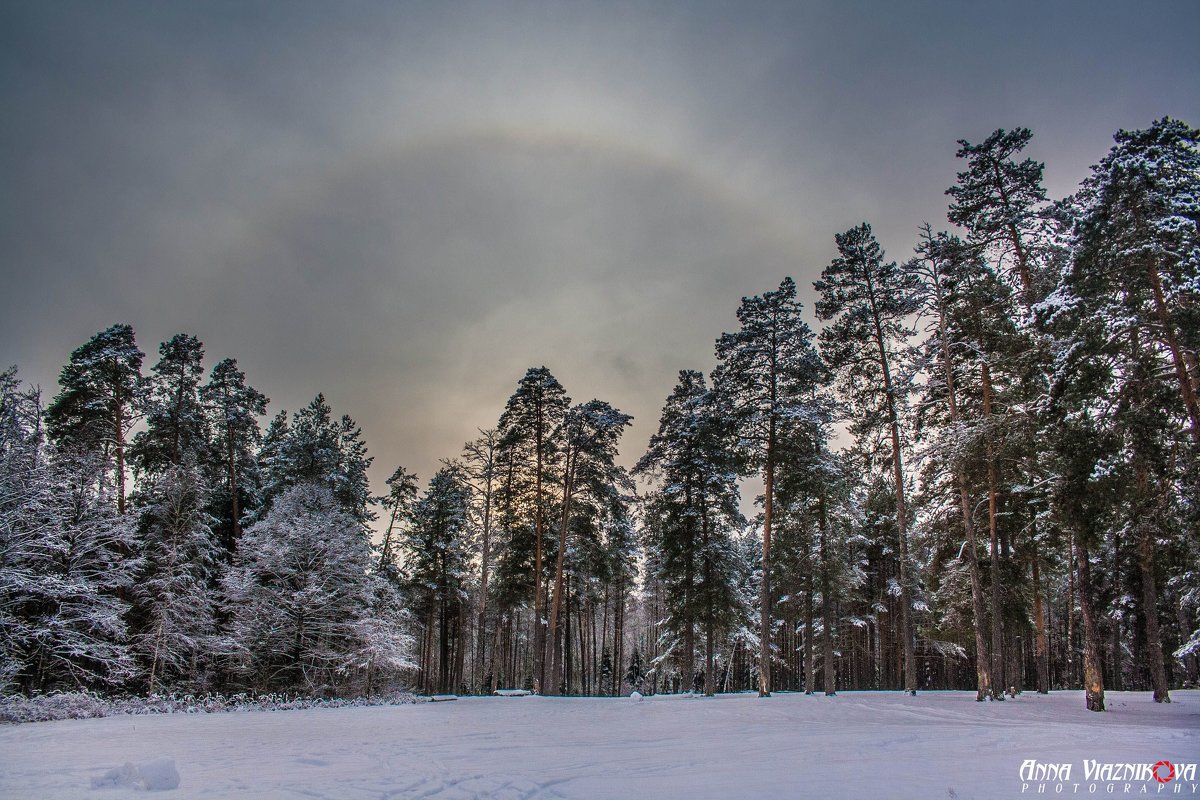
589 437
942 258
691 514
176 425
312 447
100 399
532 414
997 200
767 371
398 504
233 410
437 555
867 302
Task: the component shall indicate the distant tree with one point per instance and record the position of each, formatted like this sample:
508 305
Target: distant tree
635 676
398 504
99 399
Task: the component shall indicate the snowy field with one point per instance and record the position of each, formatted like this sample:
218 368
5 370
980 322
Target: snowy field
857 745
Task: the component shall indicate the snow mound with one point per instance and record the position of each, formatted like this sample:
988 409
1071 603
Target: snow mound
512 692
152 776
635 696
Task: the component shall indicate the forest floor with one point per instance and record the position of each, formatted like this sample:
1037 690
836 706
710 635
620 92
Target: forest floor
855 745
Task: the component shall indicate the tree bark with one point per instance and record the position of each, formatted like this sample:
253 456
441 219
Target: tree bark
1093 674
1040 650
827 664
1186 389
764 654
993 541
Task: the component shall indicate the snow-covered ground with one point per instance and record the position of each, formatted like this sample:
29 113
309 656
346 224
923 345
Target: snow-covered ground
857 745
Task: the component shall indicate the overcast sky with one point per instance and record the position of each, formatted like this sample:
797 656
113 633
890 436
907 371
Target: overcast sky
406 205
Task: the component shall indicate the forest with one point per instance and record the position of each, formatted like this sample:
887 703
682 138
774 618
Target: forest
979 468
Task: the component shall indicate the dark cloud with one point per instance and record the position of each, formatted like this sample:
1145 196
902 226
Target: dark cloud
406 205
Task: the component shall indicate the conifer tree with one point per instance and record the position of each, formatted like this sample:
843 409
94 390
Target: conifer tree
176 425
100 399
175 603
63 561
691 515
867 302
531 416
233 410
589 437
766 373
436 560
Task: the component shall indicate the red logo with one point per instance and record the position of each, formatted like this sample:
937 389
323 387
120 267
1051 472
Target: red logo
1164 765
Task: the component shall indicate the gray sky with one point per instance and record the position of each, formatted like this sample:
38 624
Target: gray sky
406 205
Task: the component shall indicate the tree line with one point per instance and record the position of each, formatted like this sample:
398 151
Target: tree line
982 471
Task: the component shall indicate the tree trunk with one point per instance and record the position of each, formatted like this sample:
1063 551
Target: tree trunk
1154 650
906 629
1093 675
119 443
1040 651
983 672
554 656
1186 389
810 662
539 631
993 540
827 664
764 653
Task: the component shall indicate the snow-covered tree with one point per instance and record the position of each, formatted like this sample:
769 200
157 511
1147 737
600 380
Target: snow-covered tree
64 559
301 598
691 515
175 599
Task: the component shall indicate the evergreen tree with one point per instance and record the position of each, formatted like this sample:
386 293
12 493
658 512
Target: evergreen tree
691 514
313 448
62 564
766 373
589 436
233 410
867 302
531 416
401 496
437 555
99 400
176 424
300 596
175 602
997 200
